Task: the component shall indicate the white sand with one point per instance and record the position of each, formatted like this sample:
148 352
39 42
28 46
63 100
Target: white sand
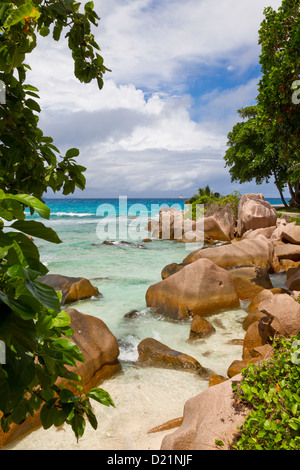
156 398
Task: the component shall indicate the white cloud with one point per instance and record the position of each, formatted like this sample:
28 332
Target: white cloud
144 132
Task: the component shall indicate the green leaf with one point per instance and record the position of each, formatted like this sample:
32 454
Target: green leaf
32 104
46 295
18 15
78 425
31 201
44 31
101 396
47 416
36 229
24 310
73 152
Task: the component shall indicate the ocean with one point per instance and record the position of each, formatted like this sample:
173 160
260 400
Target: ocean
145 397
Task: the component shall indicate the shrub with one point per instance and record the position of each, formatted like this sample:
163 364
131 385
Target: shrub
213 203
272 391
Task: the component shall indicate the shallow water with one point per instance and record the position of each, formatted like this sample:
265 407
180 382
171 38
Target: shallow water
145 397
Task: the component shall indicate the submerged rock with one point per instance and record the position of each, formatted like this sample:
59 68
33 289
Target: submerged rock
200 328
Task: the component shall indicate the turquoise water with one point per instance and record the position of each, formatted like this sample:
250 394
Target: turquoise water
145 397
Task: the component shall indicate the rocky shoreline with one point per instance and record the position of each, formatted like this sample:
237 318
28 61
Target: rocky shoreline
234 266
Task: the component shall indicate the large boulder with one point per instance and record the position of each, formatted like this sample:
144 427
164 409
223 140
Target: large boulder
288 251
154 353
72 288
212 415
250 281
215 229
171 224
265 231
291 234
100 350
257 252
283 313
254 212
200 288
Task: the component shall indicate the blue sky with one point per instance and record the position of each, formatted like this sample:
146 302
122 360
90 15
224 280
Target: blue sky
180 72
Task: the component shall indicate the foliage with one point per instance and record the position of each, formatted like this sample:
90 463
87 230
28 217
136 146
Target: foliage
34 329
272 392
266 143
249 156
212 201
279 37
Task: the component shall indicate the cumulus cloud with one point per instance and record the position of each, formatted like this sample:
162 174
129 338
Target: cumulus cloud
180 71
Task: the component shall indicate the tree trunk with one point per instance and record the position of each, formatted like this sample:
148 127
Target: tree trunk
280 190
295 195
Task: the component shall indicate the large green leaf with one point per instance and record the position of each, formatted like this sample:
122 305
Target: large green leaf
18 14
31 201
46 295
36 229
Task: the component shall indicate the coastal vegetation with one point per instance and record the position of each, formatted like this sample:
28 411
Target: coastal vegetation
271 390
33 327
212 202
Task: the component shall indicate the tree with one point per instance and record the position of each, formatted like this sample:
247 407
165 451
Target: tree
33 327
267 144
250 156
279 37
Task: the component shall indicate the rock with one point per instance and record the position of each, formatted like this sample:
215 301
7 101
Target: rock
191 236
122 243
237 366
286 264
250 281
257 334
264 352
98 346
293 279
200 288
266 232
264 294
72 288
213 229
200 328
155 353
288 251
291 234
208 416
258 252
283 313
215 379
226 220
100 350
131 314
171 269
173 423
254 212
252 317
147 240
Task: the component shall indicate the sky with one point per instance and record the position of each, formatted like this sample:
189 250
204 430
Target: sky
180 70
